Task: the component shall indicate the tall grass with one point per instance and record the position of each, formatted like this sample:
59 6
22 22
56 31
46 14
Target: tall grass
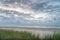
55 36
15 35
23 35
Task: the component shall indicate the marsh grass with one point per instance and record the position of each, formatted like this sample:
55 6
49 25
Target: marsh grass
23 35
15 35
55 36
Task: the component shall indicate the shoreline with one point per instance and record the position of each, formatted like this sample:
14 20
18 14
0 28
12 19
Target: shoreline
34 28
40 31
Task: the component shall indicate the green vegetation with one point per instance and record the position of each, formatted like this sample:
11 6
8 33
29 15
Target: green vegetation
55 36
15 35
23 35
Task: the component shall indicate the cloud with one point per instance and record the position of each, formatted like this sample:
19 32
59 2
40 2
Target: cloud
25 11
30 12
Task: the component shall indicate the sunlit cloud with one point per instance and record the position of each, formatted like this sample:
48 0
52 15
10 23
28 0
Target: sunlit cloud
31 12
34 14
21 10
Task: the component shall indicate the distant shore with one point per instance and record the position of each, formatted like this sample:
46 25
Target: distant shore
32 28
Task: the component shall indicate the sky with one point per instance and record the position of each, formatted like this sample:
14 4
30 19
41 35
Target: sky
30 12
